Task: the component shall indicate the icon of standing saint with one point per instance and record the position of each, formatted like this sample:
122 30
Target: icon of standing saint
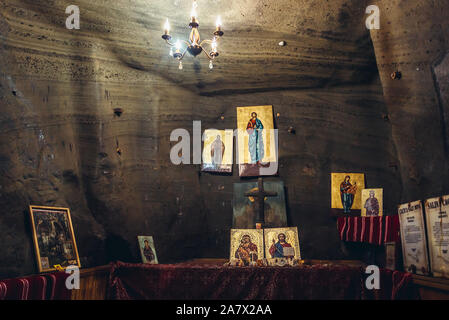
255 143
348 192
217 151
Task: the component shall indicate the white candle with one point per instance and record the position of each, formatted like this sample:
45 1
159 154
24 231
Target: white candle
167 27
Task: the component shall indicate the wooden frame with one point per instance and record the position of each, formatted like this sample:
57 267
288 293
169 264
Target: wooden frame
70 241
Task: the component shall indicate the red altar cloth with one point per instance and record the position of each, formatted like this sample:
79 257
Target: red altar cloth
374 230
215 282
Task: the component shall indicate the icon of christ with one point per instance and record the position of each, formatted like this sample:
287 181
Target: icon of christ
281 249
255 142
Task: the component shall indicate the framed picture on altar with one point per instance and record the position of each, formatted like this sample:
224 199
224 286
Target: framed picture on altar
247 246
53 237
256 142
218 151
346 193
147 250
282 243
372 202
245 207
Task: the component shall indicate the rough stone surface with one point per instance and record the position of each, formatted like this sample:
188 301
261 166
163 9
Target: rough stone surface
414 39
59 134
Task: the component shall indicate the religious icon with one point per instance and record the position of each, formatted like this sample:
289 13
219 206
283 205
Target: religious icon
256 141
282 243
147 251
372 202
246 246
45 263
347 191
218 151
246 205
53 237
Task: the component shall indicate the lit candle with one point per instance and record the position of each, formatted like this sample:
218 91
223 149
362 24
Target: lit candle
214 46
218 23
167 27
177 54
193 13
218 31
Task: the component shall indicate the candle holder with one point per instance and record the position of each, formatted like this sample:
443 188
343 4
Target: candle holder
166 37
195 46
218 32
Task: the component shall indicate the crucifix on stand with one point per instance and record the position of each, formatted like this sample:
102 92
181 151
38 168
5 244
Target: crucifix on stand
260 194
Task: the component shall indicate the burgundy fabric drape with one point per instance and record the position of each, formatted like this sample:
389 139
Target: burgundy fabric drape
374 230
394 285
392 229
56 288
214 282
2 290
38 287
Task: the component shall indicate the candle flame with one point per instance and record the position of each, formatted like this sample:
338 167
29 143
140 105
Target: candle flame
218 23
193 13
167 25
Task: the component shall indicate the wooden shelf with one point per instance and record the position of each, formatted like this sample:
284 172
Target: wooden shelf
431 288
431 282
93 284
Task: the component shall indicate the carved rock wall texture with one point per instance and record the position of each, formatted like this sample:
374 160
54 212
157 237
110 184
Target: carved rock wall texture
414 39
59 136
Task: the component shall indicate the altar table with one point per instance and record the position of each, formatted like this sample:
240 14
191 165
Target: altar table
190 281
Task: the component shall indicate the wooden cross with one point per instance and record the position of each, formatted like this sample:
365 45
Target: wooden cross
260 194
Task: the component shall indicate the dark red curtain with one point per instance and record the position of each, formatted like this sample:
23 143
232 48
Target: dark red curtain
49 286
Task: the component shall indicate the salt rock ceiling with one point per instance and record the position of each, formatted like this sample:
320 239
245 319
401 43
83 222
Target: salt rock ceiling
326 42
331 82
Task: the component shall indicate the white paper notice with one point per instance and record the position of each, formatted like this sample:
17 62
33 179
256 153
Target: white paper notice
414 249
437 219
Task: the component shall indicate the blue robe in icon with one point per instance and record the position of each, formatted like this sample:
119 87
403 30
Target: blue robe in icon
347 198
255 143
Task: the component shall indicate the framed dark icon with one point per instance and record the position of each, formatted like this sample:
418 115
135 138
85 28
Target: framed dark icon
53 237
245 207
147 249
